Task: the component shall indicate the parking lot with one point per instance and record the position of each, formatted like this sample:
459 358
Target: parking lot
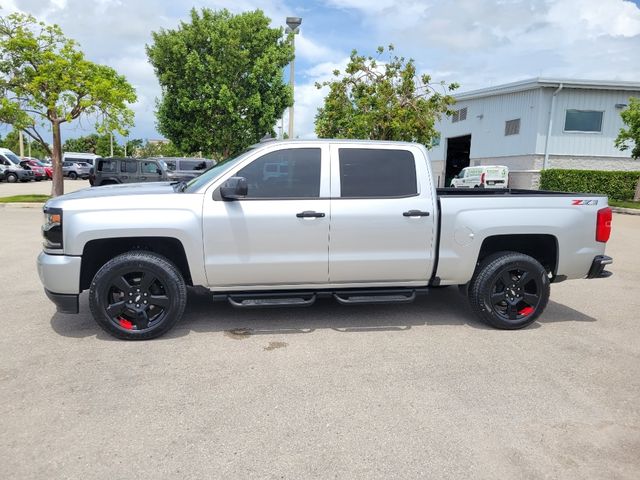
400 391
39 188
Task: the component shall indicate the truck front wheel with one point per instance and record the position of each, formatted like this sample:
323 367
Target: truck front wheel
138 295
509 290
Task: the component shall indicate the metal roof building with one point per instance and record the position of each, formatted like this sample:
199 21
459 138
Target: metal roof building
535 124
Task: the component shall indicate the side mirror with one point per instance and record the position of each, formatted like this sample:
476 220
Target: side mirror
158 171
234 188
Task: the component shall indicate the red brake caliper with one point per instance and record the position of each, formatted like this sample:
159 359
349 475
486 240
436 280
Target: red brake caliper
526 311
125 323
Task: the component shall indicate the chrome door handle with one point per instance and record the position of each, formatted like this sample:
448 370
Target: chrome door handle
310 214
415 213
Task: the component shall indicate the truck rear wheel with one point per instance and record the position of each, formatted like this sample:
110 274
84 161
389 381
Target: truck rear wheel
138 295
509 290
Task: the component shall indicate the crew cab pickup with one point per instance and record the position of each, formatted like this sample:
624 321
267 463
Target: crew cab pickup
360 221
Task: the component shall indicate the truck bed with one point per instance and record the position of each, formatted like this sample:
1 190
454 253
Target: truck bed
495 192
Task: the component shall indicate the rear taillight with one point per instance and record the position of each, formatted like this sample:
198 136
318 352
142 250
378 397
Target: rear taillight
603 225
482 178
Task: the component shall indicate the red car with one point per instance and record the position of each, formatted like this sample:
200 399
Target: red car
40 170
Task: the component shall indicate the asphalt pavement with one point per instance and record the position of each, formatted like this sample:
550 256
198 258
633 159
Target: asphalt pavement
39 188
399 391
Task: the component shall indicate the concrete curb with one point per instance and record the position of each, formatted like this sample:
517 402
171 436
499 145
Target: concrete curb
626 211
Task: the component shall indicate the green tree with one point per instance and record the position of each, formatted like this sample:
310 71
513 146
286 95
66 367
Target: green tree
382 101
12 142
103 146
159 149
630 137
133 146
86 144
222 80
46 80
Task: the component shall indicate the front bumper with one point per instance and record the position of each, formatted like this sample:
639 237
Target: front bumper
64 303
60 276
25 175
597 267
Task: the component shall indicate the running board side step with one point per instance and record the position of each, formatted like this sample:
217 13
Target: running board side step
270 300
306 298
360 297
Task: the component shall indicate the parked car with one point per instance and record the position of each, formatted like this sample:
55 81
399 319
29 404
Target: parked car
11 168
40 172
186 168
80 157
482 176
75 170
110 171
359 221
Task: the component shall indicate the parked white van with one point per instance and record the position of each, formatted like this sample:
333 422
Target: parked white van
483 176
80 157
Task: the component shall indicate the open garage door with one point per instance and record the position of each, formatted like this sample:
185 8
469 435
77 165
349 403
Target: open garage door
458 149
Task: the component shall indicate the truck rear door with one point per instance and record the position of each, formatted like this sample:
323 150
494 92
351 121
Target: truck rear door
382 215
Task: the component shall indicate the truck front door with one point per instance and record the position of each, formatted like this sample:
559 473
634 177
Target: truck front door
382 216
278 235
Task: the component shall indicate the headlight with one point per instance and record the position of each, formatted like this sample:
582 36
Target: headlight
52 228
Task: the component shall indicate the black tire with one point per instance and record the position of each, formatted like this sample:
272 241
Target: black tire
509 290
137 276
73 175
11 178
38 179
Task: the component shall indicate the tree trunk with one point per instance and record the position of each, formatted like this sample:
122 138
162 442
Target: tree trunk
57 187
636 197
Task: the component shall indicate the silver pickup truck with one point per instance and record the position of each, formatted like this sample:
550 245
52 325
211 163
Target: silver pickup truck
287 222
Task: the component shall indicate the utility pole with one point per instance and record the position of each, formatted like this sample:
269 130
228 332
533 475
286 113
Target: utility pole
21 143
293 26
111 142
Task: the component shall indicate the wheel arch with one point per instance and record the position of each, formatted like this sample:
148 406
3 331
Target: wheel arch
542 247
98 252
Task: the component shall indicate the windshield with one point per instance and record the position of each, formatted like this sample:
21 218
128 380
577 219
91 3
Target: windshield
215 171
12 158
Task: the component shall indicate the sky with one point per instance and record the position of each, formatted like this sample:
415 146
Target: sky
476 43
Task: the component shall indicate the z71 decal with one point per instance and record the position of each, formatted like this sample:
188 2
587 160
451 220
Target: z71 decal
584 202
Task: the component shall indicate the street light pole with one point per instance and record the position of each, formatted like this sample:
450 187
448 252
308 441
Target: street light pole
293 26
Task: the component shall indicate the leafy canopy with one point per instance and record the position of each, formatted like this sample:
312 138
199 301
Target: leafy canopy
45 80
12 142
222 80
382 101
631 134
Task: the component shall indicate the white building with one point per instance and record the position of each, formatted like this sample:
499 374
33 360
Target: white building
535 124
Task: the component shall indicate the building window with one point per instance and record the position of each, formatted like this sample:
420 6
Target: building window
459 115
512 127
583 121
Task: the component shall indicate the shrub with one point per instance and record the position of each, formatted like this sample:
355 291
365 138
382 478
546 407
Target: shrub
616 185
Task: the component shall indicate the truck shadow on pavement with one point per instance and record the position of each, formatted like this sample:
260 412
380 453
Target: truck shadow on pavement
440 307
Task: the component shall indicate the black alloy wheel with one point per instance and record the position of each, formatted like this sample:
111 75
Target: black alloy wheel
138 295
509 290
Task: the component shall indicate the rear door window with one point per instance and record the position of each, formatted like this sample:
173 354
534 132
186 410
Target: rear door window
129 166
377 173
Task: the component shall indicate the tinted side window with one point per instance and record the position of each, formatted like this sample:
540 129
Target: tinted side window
106 166
297 174
377 173
128 166
192 165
